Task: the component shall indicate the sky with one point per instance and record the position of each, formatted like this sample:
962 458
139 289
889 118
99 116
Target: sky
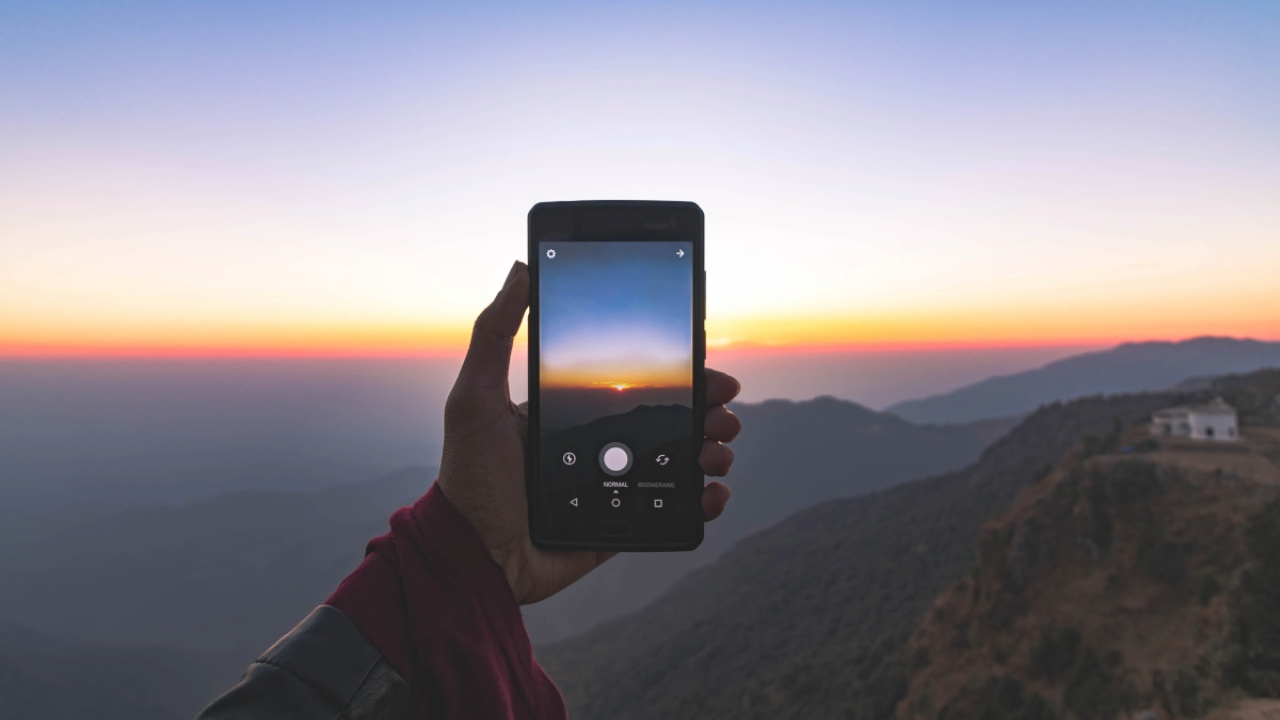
319 179
616 315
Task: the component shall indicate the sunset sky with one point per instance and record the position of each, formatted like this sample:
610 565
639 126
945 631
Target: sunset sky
242 178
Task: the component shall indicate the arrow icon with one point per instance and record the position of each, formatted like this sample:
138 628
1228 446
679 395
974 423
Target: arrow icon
680 253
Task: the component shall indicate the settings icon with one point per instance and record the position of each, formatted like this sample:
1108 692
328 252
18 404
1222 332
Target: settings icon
551 254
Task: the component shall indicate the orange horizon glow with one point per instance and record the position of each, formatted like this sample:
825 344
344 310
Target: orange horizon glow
230 351
616 378
925 326
791 334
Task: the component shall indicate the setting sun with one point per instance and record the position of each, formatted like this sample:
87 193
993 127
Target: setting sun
619 386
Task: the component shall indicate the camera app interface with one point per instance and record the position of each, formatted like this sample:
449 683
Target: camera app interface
615 377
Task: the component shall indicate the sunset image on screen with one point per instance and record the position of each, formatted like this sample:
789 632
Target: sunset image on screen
616 329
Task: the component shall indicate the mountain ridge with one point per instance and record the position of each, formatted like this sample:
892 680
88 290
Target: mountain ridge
1129 367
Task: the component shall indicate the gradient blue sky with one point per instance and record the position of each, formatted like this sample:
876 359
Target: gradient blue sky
616 314
319 176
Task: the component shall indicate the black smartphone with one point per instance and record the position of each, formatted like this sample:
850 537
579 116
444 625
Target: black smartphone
616 355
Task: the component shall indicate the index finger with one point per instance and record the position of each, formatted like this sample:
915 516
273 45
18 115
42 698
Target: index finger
721 388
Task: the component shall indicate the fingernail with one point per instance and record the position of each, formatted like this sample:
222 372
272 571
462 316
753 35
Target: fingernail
511 276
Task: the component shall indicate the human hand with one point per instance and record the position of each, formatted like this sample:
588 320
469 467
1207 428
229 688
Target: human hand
482 466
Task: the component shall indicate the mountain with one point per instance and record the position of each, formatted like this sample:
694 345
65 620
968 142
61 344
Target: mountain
790 455
810 618
225 576
561 408
42 678
1132 367
1138 580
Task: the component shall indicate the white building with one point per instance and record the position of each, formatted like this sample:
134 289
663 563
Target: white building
1214 420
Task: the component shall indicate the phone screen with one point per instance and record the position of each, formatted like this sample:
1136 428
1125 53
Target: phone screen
616 366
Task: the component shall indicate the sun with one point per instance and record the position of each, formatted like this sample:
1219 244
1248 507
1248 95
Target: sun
617 386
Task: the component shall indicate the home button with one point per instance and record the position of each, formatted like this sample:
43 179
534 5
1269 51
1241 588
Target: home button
616 528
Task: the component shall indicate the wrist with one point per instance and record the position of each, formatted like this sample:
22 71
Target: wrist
510 560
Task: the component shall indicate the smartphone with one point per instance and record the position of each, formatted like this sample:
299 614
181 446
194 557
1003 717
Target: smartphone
616 355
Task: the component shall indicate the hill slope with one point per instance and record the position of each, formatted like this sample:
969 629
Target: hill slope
1132 367
809 619
790 455
1123 583
46 679
226 575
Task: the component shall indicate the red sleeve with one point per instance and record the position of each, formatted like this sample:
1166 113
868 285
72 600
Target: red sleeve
434 602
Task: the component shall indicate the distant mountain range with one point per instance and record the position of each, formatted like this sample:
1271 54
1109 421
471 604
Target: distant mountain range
110 434
562 408
1132 367
811 618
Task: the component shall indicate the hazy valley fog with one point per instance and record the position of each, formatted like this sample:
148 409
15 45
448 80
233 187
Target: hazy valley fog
116 433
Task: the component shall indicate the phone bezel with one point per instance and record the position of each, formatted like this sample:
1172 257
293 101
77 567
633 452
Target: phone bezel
617 220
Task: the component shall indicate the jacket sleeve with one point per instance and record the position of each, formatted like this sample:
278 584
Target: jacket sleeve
324 668
434 602
426 627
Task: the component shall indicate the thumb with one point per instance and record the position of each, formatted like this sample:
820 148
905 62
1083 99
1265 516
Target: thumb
489 355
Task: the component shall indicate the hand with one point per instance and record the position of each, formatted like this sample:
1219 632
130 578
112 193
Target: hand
482 467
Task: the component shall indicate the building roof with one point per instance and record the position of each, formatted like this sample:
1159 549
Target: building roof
1216 406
